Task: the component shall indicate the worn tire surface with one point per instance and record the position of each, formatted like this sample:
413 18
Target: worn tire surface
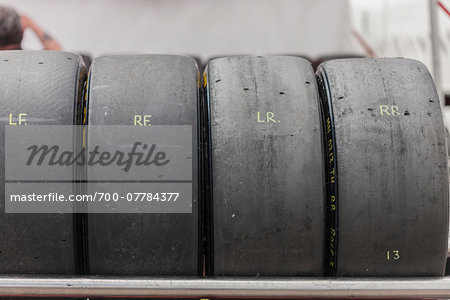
392 182
46 85
166 87
267 167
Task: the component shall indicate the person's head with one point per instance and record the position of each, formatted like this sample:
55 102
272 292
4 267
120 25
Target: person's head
11 32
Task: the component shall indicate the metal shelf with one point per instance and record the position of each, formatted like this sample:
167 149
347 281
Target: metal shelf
206 288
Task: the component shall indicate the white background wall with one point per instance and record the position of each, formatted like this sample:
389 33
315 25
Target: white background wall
209 28
402 28
200 27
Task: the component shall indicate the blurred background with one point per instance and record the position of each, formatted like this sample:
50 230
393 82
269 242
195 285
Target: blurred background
211 28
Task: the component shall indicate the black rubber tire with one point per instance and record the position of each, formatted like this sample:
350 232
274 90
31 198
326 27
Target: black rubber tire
392 181
165 86
322 59
298 55
447 267
47 86
200 64
267 178
447 135
87 58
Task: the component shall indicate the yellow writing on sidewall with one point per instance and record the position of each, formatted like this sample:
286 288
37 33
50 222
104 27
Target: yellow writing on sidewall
332 241
142 120
393 255
390 110
328 125
84 137
20 119
268 117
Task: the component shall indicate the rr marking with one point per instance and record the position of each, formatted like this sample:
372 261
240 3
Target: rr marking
389 110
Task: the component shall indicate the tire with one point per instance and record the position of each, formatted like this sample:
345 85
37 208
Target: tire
391 176
322 59
447 267
267 169
166 87
447 135
87 58
47 86
200 64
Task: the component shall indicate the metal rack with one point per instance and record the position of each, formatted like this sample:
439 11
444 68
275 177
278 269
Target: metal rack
210 288
91 286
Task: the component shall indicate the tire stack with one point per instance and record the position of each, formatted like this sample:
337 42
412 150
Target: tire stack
338 173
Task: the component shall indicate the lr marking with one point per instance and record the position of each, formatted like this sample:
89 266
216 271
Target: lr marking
21 119
269 118
142 120
394 254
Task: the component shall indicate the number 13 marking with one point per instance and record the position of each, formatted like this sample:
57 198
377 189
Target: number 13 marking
395 255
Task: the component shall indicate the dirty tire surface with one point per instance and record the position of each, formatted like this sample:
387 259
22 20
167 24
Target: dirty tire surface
267 167
166 87
45 85
391 168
